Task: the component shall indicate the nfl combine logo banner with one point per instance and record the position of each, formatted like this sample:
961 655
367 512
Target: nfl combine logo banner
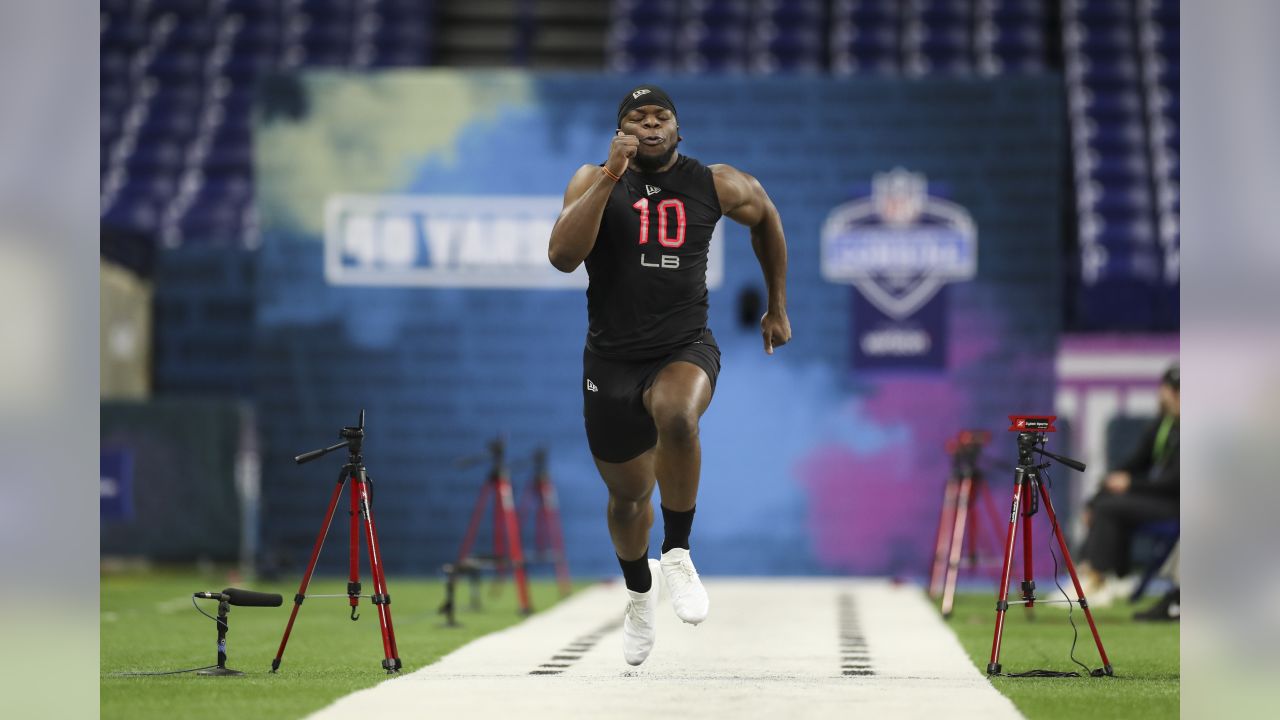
899 247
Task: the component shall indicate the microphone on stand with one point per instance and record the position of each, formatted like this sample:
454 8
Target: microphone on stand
226 598
242 598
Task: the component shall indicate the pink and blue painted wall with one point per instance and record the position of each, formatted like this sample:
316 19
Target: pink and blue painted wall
827 457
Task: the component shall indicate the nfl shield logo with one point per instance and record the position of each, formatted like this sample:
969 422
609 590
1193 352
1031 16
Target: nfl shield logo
900 245
898 196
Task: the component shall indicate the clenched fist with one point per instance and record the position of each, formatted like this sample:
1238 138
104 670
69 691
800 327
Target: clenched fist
623 148
776 329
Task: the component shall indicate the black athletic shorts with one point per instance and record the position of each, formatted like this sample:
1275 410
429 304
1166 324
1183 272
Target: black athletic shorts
618 426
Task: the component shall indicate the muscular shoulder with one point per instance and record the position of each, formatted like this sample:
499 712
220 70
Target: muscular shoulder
735 188
581 182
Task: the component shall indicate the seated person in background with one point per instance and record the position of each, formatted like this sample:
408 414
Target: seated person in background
1143 489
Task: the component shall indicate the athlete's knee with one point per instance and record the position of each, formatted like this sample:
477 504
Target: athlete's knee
675 423
627 510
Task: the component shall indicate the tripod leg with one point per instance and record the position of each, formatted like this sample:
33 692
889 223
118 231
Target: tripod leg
551 516
450 596
1002 596
529 506
946 519
381 597
501 557
311 566
973 536
957 544
500 554
469 539
541 531
353 577
1028 558
1075 580
512 549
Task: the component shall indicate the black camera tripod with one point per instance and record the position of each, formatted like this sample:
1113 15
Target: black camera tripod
361 510
1028 492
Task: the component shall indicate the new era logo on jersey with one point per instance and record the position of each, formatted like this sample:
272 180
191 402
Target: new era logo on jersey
651 190
592 386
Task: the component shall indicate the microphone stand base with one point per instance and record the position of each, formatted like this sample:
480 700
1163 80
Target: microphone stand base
219 672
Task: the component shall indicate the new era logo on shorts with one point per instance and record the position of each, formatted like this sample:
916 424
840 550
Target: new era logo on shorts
592 386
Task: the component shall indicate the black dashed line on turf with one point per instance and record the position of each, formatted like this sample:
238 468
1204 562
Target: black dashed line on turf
855 658
575 650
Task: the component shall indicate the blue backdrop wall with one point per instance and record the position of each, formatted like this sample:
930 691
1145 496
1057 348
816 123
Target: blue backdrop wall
811 464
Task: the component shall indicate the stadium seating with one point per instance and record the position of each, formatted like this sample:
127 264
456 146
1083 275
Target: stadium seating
760 36
1121 73
916 37
177 80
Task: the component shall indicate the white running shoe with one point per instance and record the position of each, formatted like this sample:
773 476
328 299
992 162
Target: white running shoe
688 597
639 625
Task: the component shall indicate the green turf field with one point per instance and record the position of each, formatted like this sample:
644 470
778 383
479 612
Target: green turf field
1144 656
148 624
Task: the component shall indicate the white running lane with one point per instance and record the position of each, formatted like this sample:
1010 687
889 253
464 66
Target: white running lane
785 648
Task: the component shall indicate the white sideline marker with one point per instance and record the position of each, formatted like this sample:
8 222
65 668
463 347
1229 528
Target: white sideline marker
776 648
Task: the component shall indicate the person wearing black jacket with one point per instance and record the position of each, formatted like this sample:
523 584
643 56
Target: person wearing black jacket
1143 489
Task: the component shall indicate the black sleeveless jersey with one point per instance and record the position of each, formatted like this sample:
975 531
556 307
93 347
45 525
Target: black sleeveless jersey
648 269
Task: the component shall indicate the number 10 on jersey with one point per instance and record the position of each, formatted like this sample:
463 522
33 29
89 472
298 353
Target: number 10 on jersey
663 225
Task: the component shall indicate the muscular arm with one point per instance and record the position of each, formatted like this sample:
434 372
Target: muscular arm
744 200
574 234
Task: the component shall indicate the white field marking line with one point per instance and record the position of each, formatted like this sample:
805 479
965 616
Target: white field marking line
770 648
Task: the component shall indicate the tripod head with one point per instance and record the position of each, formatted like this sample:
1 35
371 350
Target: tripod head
1031 431
496 458
966 450
353 439
498 451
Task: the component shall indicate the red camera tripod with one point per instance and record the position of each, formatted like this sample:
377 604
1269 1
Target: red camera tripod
361 516
548 540
965 485
507 550
1028 491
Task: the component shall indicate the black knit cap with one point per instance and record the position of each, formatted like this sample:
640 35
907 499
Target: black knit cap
642 95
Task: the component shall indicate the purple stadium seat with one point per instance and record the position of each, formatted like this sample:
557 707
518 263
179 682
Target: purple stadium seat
644 43
718 12
125 36
1104 12
182 9
794 49
788 13
647 13
194 35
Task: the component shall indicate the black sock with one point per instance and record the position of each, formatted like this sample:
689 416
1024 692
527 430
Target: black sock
676 527
636 573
